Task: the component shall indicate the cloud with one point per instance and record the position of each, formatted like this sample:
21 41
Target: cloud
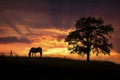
6 40
2 31
11 24
116 41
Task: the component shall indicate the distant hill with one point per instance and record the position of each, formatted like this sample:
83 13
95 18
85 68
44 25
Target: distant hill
57 67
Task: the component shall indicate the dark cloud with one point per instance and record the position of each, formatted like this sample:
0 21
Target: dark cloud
61 13
60 37
6 40
7 20
29 5
56 7
116 39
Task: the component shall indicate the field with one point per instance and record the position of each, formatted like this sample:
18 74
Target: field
26 68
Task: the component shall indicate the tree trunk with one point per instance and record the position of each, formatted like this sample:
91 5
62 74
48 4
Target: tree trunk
88 47
88 52
88 56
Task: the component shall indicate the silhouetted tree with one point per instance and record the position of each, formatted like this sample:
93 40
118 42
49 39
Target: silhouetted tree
91 35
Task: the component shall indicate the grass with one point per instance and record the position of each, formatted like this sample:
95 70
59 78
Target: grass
57 67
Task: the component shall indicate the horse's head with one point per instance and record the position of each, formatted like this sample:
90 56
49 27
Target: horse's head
29 54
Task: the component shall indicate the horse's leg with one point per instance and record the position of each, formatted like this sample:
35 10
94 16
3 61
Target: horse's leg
32 54
40 54
35 54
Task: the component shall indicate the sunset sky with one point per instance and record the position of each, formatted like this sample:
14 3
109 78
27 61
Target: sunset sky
46 23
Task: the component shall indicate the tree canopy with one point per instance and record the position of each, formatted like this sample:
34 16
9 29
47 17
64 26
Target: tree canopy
91 35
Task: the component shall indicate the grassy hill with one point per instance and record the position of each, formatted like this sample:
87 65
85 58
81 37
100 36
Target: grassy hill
57 68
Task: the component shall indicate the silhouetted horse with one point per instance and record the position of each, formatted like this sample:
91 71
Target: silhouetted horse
34 50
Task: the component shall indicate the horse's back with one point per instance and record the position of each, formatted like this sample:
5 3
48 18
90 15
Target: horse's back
33 49
39 48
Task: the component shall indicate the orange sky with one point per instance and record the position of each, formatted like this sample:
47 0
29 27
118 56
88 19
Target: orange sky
51 44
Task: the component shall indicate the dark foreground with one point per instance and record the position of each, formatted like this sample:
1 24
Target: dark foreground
24 68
